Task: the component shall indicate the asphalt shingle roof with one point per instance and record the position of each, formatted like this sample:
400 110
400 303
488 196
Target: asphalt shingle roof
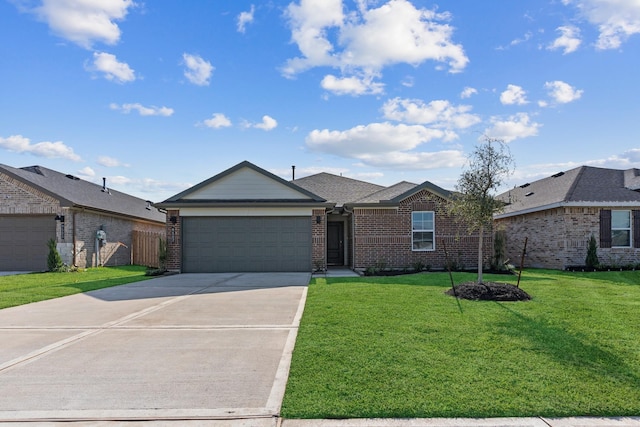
337 189
582 185
73 191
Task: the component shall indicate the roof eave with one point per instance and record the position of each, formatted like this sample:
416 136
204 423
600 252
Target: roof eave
584 204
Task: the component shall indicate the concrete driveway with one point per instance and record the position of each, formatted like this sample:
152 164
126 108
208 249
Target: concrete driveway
188 346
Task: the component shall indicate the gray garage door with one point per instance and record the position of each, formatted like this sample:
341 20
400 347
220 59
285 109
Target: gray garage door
243 244
23 242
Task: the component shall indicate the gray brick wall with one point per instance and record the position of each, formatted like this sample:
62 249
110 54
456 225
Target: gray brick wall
558 238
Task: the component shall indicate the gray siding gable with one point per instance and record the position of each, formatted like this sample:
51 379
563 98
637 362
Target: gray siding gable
244 182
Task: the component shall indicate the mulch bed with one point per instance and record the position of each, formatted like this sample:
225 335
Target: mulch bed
489 291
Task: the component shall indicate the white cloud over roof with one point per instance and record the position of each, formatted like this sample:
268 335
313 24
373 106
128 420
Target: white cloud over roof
514 95
142 110
20 144
616 20
84 22
569 39
198 71
368 39
561 92
515 127
217 121
245 18
111 68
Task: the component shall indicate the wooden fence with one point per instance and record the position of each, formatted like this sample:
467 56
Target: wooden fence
144 248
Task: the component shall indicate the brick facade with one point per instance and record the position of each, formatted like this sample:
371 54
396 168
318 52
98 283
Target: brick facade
174 243
558 238
319 240
383 236
79 227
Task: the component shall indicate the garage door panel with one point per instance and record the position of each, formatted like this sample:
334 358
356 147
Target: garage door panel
23 242
246 244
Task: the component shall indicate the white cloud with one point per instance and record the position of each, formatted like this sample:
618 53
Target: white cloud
569 39
198 70
52 150
142 110
416 160
616 20
84 22
467 92
217 121
87 172
113 70
110 162
368 39
515 127
351 85
439 114
562 92
245 18
513 95
375 138
268 123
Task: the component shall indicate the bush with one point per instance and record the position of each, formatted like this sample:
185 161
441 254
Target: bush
592 261
54 260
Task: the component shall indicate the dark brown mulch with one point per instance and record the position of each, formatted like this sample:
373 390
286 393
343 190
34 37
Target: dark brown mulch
489 291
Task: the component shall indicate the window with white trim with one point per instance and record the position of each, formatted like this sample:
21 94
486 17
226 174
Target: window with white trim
621 229
422 231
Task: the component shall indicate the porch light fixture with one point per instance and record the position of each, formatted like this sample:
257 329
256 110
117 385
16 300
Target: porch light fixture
60 218
318 219
173 219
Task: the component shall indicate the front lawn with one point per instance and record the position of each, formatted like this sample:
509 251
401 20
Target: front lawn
399 347
25 288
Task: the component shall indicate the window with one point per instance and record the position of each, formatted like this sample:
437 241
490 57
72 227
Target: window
422 231
621 229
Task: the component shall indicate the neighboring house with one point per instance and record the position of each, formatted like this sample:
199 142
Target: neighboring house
247 219
38 204
560 213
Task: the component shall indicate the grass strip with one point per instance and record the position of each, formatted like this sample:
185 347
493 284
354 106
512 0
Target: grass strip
27 288
399 347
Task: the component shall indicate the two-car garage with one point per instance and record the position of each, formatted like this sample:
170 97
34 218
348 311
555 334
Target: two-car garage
244 219
245 244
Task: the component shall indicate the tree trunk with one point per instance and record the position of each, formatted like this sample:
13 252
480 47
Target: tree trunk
480 235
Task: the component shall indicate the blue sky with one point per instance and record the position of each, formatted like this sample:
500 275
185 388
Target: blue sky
157 96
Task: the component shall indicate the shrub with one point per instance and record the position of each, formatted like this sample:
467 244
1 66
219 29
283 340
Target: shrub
592 261
54 260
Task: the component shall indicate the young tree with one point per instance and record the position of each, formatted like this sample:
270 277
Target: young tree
54 261
489 165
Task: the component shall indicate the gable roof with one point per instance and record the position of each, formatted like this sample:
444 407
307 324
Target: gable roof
583 186
72 191
337 189
241 184
352 192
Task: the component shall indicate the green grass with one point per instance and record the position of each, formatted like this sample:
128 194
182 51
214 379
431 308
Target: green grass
26 288
399 347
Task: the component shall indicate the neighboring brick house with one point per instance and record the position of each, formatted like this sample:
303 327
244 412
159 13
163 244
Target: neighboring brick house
39 204
559 214
247 219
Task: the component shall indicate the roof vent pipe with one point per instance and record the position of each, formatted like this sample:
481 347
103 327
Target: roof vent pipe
293 172
104 184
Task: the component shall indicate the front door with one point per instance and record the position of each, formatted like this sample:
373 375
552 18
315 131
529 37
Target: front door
335 243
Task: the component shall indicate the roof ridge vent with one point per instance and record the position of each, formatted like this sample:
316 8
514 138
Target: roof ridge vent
525 185
557 175
75 178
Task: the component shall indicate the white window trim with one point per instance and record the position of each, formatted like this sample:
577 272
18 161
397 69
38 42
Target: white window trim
629 229
432 230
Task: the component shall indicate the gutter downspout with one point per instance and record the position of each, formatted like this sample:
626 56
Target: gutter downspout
353 237
73 236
